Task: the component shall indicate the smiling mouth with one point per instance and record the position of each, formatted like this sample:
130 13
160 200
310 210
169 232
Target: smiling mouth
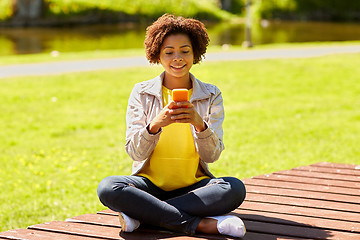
178 67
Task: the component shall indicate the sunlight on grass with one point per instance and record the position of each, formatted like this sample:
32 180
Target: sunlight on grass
68 56
60 135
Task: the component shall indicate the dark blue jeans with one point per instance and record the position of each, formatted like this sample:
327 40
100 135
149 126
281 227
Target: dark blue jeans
180 210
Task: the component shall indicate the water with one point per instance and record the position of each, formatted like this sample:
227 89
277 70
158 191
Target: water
105 37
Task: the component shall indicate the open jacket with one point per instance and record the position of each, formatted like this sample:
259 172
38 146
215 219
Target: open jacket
145 103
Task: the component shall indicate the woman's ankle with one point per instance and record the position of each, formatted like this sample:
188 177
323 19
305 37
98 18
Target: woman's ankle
208 225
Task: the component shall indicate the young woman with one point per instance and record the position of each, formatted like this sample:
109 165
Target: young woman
171 143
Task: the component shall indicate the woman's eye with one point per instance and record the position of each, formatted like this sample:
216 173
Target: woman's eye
185 51
168 53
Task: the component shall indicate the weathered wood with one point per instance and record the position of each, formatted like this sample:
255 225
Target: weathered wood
273 181
113 233
319 201
302 211
110 218
107 212
336 165
263 236
352 181
351 172
98 219
297 220
303 194
296 231
301 202
313 180
39 235
85 230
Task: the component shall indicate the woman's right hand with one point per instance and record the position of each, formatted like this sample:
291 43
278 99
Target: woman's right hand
163 119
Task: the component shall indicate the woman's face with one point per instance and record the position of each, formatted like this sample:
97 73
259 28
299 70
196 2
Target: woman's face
177 57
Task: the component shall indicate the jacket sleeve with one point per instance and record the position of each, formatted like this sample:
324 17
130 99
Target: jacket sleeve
209 142
139 142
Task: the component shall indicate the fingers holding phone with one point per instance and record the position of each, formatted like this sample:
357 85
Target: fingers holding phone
184 111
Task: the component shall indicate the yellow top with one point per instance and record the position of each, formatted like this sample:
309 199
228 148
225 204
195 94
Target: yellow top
174 162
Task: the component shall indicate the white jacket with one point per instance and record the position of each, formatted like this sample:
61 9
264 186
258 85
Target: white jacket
145 103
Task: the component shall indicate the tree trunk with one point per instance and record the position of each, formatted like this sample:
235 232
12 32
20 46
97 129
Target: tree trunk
226 5
28 9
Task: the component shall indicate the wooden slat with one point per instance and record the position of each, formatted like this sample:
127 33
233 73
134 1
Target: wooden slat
106 232
350 172
301 211
297 220
263 236
39 235
111 219
353 181
337 165
289 215
274 182
297 201
305 179
297 231
249 235
285 218
98 219
107 212
252 226
79 229
303 194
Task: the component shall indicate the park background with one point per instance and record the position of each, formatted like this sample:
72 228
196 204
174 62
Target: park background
61 134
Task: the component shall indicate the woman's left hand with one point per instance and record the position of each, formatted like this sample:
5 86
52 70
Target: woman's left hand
186 113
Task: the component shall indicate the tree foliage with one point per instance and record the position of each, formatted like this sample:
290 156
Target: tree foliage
330 10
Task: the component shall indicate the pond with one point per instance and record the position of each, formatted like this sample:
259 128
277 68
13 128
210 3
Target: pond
125 36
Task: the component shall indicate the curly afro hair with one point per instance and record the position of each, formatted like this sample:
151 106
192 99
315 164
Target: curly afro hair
169 24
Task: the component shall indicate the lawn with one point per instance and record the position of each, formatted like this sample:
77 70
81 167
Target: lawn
60 135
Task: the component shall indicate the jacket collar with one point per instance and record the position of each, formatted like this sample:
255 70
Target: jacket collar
199 89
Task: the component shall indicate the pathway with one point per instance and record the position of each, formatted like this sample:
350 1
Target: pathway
111 63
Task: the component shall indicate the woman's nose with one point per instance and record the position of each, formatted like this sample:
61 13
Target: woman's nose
177 57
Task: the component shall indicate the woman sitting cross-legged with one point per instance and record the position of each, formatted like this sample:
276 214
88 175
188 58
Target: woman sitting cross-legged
172 143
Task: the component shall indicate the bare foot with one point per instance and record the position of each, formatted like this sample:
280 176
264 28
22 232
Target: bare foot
208 225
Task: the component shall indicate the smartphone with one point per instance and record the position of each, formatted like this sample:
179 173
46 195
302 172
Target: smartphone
180 95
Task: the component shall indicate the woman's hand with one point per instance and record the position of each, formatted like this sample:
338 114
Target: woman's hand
184 112
162 119
177 112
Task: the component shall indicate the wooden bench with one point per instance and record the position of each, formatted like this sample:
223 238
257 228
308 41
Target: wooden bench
320 201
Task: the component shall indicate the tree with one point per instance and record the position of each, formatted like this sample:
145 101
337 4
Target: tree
233 6
226 5
27 9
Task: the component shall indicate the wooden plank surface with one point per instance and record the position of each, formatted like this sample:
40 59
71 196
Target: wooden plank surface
319 201
288 182
39 235
337 165
349 181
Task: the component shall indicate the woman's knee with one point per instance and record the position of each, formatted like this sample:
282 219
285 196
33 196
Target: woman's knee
106 189
237 190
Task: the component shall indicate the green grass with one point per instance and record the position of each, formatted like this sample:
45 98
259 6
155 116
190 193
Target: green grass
60 135
68 56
